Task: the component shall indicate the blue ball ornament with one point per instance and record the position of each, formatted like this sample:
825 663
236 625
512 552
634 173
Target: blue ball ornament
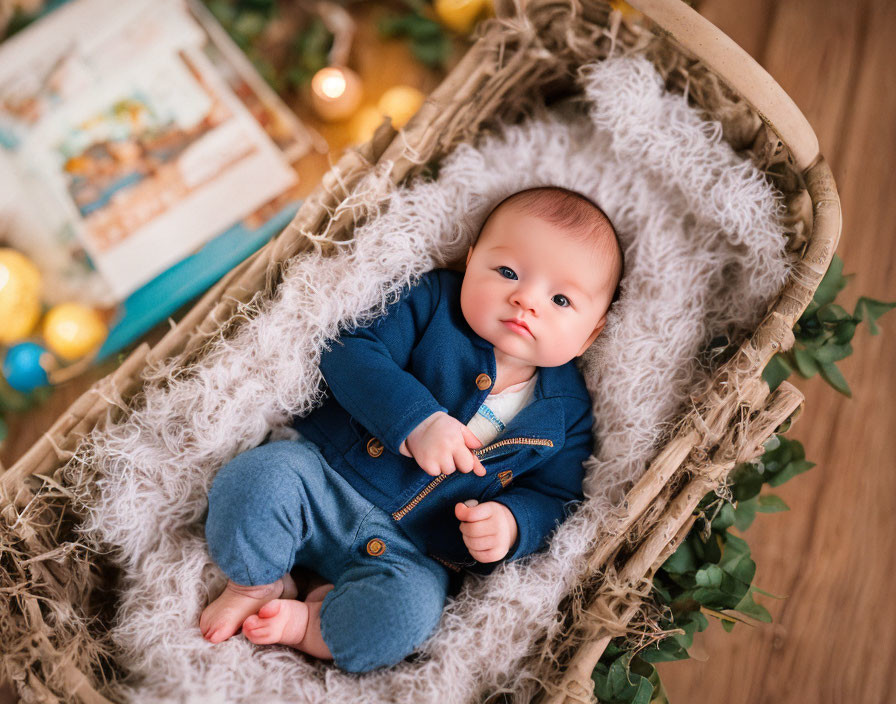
24 367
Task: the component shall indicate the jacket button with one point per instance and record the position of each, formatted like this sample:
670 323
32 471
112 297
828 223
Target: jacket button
375 547
374 447
483 381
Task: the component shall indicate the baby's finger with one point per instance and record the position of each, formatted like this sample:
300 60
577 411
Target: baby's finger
446 463
463 460
470 440
430 467
486 542
480 512
485 556
479 529
478 469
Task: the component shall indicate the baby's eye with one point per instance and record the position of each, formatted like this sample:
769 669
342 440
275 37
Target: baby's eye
561 300
506 272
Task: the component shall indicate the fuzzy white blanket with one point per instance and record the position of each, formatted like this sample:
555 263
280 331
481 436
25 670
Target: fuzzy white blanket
704 251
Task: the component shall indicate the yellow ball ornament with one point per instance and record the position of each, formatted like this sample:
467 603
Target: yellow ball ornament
364 124
459 15
71 330
400 103
19 296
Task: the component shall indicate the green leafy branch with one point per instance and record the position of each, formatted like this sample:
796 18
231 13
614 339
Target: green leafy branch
823 333
285 65
711 573
428 40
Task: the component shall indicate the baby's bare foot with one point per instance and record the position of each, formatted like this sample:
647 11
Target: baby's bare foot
222 618
279 621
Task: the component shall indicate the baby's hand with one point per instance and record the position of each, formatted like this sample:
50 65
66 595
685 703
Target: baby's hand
489 529
441 444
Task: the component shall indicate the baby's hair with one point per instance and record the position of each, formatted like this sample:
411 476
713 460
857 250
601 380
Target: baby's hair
570 210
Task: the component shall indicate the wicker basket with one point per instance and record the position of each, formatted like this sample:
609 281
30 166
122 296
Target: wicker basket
56 595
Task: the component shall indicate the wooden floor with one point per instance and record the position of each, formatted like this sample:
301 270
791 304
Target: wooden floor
834 554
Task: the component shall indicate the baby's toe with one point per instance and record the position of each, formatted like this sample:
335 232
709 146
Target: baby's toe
269 610
205 622
215 635
262 635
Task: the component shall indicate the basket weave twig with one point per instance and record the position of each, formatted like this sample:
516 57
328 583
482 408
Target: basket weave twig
56 607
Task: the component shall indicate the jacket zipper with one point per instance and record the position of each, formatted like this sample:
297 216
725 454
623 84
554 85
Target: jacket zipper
514 441
404 510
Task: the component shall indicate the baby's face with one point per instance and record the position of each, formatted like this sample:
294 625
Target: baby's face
523 268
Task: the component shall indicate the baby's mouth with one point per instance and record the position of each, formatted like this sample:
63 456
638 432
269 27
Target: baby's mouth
518 327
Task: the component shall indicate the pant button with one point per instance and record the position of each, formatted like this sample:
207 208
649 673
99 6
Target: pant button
374 447
375 547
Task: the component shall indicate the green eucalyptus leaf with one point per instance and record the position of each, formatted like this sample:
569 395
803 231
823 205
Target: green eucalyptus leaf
4 429
425 30
684 640
786 451
749 607
433 53
617 678
644 691
832 313
831 374
746 480
715 598
736 560
769 503
706 551
869 310
613 651
727 625
790 471
844 331
663 593
724 519
776 371
745 513
682 560
831 284
805 363
710 576
667 650
833 352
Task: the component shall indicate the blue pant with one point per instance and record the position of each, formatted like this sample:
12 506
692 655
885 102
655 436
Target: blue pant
281 505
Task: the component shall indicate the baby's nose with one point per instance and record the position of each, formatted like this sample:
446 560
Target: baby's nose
523 299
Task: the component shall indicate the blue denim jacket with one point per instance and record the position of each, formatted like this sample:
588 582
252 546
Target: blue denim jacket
422 357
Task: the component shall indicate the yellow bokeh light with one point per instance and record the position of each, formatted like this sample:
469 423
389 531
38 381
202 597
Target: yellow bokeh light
330 82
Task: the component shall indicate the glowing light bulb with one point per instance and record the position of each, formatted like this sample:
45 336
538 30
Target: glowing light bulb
335 92
332 84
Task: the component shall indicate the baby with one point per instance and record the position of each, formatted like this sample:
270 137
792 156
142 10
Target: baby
452 439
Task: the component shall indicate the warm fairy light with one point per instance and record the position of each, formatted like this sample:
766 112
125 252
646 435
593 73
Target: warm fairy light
335 92
330 82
